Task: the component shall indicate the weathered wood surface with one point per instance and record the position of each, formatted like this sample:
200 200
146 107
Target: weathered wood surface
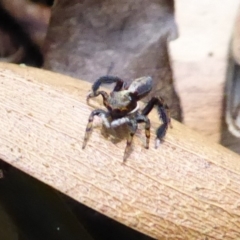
189 188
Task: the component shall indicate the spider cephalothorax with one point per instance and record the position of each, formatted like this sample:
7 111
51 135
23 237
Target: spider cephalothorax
122 106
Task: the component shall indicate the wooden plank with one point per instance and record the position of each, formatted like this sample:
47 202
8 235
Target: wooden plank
189 188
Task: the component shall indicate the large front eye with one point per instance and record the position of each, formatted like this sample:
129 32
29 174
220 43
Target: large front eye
133 95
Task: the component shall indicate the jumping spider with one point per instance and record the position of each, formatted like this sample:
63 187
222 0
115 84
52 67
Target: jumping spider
122 108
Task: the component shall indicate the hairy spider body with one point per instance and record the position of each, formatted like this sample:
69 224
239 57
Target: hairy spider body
122 106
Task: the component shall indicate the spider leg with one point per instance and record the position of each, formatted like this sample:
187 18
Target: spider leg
104 95
120 121
97 93
168 115
108 80
163 112
133 128
142 118
98 112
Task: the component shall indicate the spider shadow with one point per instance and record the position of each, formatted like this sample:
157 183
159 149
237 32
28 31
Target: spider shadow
115 135
121 134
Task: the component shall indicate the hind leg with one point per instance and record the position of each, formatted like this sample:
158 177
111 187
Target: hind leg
145 119
163 112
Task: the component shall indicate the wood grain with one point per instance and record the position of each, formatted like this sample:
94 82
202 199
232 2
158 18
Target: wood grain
189 188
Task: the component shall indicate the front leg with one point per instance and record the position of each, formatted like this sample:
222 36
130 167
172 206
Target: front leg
133 128
97 93
98 112
108 80
132 124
